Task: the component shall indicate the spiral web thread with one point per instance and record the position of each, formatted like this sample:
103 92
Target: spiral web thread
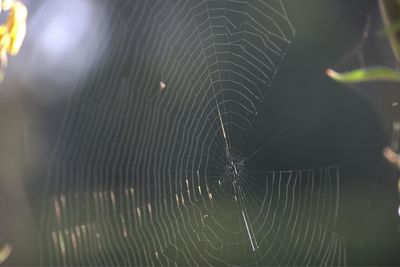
148 168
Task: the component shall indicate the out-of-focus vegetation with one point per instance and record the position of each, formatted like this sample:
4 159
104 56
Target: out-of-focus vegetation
5 253
390 13
366 75
12 32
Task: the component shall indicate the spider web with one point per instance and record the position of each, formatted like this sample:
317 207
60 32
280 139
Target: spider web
149 168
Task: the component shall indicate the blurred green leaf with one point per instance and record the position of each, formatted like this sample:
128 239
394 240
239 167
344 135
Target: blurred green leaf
365 75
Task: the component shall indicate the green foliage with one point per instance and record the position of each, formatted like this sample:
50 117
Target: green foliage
390 13
366 75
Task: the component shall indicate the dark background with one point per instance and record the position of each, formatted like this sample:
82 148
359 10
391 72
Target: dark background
311 121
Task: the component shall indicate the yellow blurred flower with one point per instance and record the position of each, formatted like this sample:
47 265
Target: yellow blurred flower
12 32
